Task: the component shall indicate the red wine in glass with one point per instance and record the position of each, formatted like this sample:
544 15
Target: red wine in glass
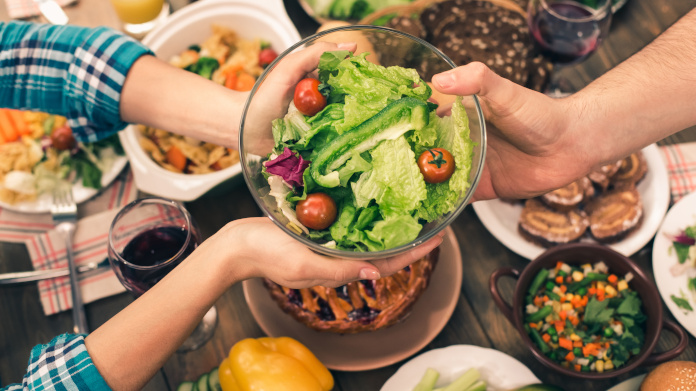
157 246
567 31
148 238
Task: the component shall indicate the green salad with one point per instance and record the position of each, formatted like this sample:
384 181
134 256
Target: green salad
360 158
349 9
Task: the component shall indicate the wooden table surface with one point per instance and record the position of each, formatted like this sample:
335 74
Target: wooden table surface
475 320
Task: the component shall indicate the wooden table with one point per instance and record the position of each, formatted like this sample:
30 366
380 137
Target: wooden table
475 321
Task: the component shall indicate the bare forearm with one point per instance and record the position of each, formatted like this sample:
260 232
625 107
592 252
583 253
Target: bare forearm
646 98
165 97
133 345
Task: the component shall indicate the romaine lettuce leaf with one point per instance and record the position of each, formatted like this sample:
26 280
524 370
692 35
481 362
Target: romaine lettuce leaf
394 231
454 136
395 181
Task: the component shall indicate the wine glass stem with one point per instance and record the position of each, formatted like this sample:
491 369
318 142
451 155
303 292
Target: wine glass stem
559 86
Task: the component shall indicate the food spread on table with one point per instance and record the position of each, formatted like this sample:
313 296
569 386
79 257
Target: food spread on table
345 168
604 206
226 59
38 151
585 317
684 247
348 9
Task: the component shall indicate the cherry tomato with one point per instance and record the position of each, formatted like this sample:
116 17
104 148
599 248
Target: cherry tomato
62 138
317 211
266 56
308 99
436 164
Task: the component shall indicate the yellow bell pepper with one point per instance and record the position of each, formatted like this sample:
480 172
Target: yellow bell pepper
273 364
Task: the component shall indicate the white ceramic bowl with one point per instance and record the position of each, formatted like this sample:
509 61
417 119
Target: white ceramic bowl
265 19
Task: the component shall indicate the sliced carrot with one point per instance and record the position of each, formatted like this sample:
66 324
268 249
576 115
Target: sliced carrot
592 291
558 265
538 301
565 343
559 325
563 315
546 337
19 122
7 127
563 288
231 80
578 368
245 82
559 279
577 344
574 320
176 158
569 357
612 279
533 325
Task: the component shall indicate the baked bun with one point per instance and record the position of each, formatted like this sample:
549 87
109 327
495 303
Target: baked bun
615 214
671 376
548 227
357 306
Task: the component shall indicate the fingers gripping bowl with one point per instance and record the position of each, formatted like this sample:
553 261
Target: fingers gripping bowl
392 69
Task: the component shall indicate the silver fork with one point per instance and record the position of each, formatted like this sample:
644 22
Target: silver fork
64 212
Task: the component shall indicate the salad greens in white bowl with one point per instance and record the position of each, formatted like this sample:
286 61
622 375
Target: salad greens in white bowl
356 169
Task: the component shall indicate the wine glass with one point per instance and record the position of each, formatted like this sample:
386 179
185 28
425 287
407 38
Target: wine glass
148 238
567 32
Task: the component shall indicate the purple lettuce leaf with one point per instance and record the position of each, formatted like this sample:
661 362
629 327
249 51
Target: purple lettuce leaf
289 166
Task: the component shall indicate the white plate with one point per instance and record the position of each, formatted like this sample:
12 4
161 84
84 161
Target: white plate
499 370
43 202
680 216
370 350
501 218
251 19
632 384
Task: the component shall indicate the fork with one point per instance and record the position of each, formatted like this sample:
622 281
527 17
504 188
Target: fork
64 212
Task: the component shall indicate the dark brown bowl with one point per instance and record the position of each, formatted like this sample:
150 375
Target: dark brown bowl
581 253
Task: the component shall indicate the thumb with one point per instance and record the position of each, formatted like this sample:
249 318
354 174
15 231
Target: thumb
499 95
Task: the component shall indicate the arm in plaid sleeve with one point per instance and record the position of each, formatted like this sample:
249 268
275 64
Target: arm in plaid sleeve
73 71
62 364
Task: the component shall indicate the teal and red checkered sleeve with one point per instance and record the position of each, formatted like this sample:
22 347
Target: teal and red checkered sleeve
63 364
77 72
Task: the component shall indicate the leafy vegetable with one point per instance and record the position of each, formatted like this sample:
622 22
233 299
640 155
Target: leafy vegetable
289 166
682 302
350 9
597 311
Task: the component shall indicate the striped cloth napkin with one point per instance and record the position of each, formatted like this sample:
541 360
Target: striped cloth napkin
681 167
20 9
47 248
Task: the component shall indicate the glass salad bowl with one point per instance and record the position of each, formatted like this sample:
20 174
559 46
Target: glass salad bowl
362 148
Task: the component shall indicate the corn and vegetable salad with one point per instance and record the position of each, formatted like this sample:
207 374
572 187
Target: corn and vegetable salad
584 317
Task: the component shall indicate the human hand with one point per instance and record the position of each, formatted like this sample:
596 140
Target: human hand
261 249
531 149
273 97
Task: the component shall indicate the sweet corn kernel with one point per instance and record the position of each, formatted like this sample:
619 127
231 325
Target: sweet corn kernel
599 366
601 284
566 306
578 276
608 365
556 306
574 337
610 291
549 319
622 285
569 296
586 266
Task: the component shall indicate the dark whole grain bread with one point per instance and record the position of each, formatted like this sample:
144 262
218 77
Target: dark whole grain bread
409 25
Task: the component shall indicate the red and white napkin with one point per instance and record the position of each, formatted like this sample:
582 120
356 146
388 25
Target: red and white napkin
47 248
47 251
681 167
20 9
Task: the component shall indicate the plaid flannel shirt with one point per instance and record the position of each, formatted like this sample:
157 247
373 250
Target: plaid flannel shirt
63 365
73 71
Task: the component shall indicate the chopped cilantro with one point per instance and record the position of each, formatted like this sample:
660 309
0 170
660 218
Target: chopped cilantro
682 303
682 251
597 311
692 284
630 306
